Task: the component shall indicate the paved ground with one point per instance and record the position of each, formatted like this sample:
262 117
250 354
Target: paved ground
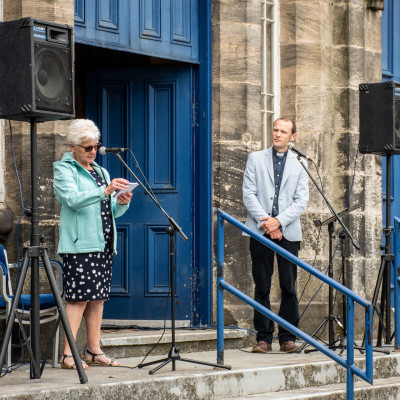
18 382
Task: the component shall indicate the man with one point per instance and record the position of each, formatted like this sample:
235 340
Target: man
275 193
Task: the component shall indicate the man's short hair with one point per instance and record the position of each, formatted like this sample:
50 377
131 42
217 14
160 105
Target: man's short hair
288 120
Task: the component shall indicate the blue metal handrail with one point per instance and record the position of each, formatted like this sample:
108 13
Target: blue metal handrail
396 283
352 297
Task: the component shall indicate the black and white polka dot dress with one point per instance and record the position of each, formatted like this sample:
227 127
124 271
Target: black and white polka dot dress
87 276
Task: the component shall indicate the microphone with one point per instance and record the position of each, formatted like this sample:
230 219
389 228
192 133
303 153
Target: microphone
104 150
296 150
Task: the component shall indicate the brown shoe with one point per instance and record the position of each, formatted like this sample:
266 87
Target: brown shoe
289 347
262 347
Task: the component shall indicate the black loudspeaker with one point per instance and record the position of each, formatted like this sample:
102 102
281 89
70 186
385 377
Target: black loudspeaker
380 118
36 71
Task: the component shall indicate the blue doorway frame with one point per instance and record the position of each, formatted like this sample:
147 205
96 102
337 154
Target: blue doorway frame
203 296
202 312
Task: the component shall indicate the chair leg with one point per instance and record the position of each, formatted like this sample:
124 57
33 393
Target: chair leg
8 356
9 347
56 344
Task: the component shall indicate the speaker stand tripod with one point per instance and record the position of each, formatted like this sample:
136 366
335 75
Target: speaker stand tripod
343 339
31 256
173 354
383 282
331 318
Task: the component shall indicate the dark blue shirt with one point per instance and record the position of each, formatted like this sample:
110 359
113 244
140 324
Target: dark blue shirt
279 165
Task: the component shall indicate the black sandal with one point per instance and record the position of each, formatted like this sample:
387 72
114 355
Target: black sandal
97 363
72 366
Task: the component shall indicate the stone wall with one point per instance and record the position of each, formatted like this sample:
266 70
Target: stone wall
50 146
236 129
326 49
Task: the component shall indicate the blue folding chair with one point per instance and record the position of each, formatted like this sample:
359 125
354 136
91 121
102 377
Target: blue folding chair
48 306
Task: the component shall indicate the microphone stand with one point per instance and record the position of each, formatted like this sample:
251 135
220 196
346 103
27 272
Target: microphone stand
330 318
346 231
173 354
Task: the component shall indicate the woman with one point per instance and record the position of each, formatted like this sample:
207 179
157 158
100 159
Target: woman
87 236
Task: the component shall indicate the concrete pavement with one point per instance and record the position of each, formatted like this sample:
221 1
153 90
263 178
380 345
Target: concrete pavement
251 374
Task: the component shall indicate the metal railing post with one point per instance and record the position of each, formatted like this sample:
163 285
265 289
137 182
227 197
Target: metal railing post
350 348
220 290
369 362
396 281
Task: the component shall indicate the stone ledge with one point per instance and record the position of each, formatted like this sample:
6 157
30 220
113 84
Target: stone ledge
139 338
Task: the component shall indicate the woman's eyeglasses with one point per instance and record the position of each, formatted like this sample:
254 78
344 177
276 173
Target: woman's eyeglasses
90 148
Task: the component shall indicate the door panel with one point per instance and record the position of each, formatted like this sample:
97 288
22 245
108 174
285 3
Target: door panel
149 111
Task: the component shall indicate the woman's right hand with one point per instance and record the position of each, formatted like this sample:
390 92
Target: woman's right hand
116 184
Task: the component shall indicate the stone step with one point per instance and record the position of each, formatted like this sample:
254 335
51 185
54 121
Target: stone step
274 375
387 389
135 342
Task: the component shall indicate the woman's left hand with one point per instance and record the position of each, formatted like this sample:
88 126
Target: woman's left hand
124 198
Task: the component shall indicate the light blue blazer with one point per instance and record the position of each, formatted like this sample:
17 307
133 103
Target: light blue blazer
259 191
81 226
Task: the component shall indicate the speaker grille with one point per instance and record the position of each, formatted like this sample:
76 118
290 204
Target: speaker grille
397 122
380 118
53 78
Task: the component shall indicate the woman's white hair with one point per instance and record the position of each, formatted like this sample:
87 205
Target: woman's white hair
80 130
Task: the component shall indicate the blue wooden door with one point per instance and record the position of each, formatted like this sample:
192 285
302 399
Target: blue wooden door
148 110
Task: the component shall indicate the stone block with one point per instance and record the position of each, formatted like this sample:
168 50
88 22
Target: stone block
356 24
238 34
232 64
288 98
341 108
354 114
306 22
59 11
340 29
288 80
340 66
232 121
372 67
229 165
306 64
287 23
248 11
238 63
314 107
236 102
373 31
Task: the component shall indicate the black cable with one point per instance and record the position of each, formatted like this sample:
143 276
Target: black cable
165 314
163 332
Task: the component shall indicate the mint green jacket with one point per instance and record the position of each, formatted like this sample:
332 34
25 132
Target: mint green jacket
81 226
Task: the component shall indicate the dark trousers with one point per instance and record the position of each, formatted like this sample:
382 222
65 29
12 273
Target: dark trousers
263 267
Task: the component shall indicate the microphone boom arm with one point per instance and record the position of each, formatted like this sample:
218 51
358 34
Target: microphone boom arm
348 234
175 226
